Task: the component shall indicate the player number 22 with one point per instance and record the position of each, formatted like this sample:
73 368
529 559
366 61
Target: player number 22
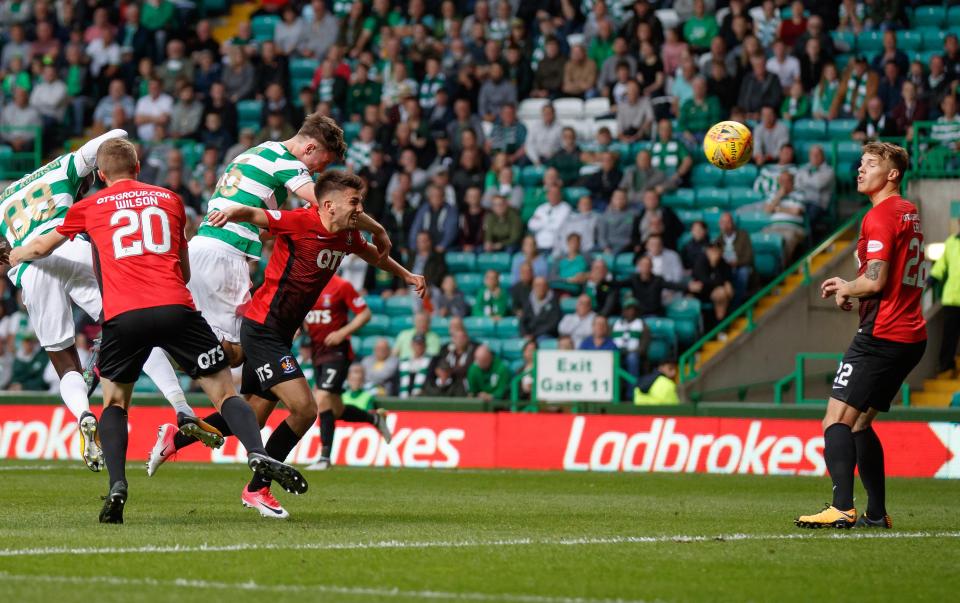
130 222
911 277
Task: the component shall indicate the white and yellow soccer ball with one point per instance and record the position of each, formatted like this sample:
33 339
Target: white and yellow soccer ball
728 145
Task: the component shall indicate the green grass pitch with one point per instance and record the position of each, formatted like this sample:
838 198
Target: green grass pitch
410 535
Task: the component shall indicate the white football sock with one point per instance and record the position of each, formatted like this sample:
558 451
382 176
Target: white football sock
73 390
159 369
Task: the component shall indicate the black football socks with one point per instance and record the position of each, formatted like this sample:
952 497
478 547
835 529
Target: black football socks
328 425
113 442
278 447
840 454
870 464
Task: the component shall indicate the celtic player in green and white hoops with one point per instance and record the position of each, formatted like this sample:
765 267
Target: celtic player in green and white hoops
34 205
261 177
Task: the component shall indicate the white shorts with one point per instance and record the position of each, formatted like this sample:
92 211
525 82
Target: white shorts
51 283
220 285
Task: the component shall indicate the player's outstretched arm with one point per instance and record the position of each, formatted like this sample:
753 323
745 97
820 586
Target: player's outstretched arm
380 237
370 256
238 213
38 248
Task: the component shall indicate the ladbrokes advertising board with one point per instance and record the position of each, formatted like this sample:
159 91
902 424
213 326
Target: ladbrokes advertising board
531 441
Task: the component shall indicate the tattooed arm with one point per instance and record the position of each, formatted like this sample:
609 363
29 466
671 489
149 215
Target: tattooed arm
870 283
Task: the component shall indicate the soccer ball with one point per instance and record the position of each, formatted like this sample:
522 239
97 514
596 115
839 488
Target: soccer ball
728 145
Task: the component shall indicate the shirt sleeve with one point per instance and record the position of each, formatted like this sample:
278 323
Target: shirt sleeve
354 300
293 175
85 158
879 233
75 222
282 222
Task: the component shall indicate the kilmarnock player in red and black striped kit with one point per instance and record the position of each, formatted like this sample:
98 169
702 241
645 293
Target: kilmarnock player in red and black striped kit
137 232
889 342
311 243
329 329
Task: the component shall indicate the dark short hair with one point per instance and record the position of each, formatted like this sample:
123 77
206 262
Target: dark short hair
337 180
325 131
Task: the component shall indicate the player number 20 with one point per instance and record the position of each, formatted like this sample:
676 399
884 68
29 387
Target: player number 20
130 222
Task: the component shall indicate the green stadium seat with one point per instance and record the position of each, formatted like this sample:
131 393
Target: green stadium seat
461 261
399 305
845 170
908 41
364 347
532 175
679 199
840 129
508 327
809 129
689 216
953 17
512 349
928 16
925 56
249 114
568 305
470 283
351 130
495 345
375 303
841 60
440 325
548 343
848 150
379 325
712 218
933 39
500 261
753 221
846 41
706 174
480 327
663 339
742 176
622 149
743 195
400 323
262 27
608 258
302 68
712 197
686 313
870 42
572 194
767 253
623 264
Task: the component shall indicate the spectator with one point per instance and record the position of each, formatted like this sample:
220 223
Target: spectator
458 355
647 288
381 369
911 108
890 54
544 141
501 227
769 137
698 113
49 97
448 300
320 32
16 46
152 110
548 218
670 155
412 373
634 115
815 31
509 135
177 66
796 105
357 393
569 271
888 90
783 65
712 282
824 93
815 183
521 288
427 259
696 245
433 81
361 92
504 187
45 43
408 166
659 386
488 377
526 382
666 262
421 329
857 84
600 336
766 22
681 86
812 62
700 28
214 134
602 289
641 177
579 325
769 175
601 38
217 102
721 85
105 59
438 219
464 120
541 312
937 82
786 209
737 253
651 69
529 253
874 124
187 113
496 93
631 337
602 183
652 209
583 223
548 78
947 270
275 128
567 161
579 73
946 130
441 383
239 78
491 301
289 31
29 364
759 88
17 121
615 225
472 221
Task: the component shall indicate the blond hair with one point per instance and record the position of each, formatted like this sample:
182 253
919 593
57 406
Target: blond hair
895 155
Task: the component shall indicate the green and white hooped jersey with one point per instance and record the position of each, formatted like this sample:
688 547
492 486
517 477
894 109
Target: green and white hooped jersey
258 177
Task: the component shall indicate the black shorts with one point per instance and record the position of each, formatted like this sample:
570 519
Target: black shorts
331 372
129 338
873 370
269 360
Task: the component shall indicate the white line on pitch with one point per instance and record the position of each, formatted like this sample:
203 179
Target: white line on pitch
315 588
33 467
441 544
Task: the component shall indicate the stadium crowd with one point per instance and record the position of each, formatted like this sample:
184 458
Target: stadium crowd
539 162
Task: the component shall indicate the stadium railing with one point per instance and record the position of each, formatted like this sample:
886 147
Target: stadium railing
688 360
930 157
798 376
14 164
